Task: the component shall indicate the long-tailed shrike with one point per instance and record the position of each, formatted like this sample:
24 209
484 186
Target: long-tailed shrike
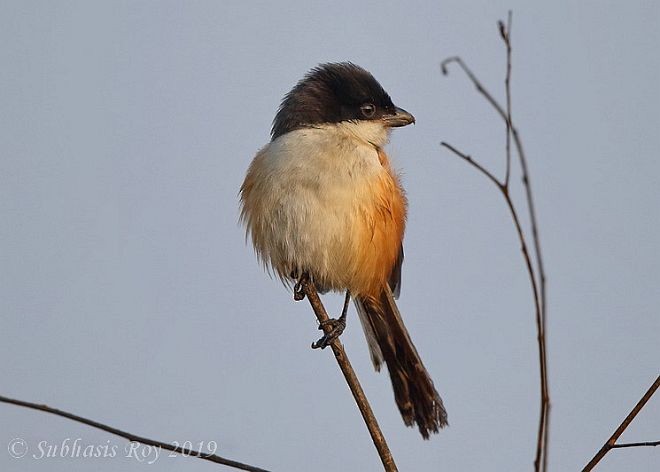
321 201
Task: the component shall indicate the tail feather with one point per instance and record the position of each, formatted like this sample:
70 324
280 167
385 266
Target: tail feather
389 342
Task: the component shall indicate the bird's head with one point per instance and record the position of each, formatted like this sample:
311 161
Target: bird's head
338 93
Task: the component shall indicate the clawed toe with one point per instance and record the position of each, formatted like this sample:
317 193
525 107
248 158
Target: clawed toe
336 328
299 288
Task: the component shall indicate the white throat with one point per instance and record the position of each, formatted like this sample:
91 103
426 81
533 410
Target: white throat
370 132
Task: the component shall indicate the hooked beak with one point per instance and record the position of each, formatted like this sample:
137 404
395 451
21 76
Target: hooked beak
400 117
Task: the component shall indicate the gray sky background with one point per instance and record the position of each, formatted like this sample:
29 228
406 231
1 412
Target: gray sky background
128 294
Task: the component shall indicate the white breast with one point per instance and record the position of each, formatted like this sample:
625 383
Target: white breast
306 191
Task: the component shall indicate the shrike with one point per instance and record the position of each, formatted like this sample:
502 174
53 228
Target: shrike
321 201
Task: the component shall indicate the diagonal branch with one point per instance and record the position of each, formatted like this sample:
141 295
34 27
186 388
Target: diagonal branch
475 164
611 442
308 289
132 437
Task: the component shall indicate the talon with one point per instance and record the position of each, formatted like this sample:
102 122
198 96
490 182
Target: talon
337 327
298 293
321 343
299 289
332 323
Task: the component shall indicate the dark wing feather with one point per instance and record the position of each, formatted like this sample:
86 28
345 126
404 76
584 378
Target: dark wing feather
395 276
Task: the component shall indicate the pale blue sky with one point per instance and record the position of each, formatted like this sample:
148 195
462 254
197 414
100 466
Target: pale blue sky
128 294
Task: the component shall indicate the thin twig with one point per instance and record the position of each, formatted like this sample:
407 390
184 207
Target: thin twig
530 270
637 444
505 32
538 282
475 82
544 420
611 442
132 437
523 163
310 291
474 163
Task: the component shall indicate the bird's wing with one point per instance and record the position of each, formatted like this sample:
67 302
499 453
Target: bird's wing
395 276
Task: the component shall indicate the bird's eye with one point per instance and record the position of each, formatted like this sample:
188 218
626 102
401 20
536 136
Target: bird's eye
368 110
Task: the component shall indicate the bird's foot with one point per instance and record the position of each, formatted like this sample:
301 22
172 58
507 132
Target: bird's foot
299 288
335 326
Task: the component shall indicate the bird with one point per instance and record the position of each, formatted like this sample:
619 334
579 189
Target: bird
322 201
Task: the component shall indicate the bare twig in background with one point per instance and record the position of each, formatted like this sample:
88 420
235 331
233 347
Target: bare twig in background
309 290
611 443
537 277
132 437
637 444
505 32
504 189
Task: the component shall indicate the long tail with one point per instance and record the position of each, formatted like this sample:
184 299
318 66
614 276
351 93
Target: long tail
389 341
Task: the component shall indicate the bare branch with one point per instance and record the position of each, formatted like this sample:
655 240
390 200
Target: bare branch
505 32
535 292
523 163
474 163
637 444
537 281
611 442
377 437
132 437
475 82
